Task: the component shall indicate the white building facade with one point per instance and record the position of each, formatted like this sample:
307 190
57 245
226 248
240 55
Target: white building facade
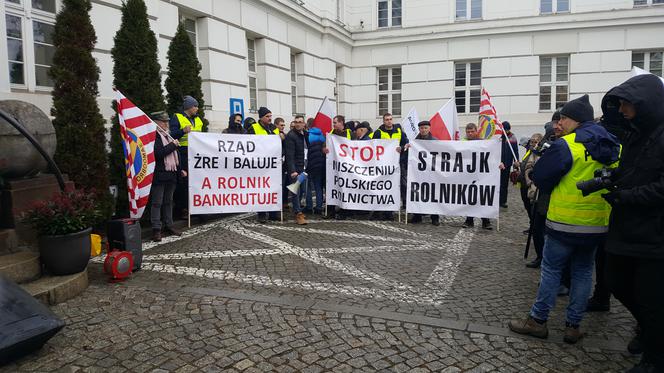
369 56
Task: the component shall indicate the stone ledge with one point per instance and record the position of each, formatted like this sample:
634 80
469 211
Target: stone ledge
20 267
52 290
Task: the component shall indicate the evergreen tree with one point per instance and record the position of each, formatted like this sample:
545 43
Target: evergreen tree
136 75
78 123
184 77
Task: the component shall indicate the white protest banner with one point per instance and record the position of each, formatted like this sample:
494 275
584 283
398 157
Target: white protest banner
409 123
234 173
459 178
363 175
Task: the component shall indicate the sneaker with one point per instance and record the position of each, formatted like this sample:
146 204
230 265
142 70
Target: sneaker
173 231
536 263
529 326
572 334
596 305
156 235
635 346
299 219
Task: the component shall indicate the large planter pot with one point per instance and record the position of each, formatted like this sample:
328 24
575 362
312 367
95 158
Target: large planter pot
66 254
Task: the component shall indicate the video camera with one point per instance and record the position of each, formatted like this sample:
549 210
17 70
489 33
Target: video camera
603 180
541 148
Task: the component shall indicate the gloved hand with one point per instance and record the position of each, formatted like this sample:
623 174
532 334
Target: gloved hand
613 198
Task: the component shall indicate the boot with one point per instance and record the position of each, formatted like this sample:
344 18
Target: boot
156 235
299 219
529 326
435 220
572 333
469 223
417 219
486 224
536 263
173 231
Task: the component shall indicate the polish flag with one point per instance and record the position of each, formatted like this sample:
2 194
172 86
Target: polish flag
445 123
323 119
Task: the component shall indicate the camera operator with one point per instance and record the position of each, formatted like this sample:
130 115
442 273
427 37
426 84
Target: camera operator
575 224
635 243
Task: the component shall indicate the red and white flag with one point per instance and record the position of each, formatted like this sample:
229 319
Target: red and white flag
323 119
445 123
138 135
489 125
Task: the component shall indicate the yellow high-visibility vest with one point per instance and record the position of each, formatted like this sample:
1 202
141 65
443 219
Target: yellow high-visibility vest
347 133
569 210
184 122
386 136
259 130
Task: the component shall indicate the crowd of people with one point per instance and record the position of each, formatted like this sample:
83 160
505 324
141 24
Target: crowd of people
594 191
614 223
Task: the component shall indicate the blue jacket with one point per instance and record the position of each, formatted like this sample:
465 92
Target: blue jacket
556 162
315 156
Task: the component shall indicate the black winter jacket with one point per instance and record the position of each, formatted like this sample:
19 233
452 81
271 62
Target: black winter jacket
294 151
161 176
636 227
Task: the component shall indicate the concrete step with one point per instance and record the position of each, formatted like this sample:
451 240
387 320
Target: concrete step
20 267
8 241
52 290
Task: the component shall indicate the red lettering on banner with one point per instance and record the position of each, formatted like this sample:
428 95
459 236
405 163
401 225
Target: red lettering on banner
365 153
197 200
206 184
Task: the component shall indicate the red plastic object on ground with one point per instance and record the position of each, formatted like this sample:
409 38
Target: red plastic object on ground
118 264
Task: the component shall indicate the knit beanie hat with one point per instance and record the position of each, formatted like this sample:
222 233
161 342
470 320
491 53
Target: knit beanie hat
263 111
578 109
556 115
507 126
189 102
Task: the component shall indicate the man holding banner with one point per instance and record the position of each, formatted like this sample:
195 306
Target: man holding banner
391 131
264 126
473 134
425 134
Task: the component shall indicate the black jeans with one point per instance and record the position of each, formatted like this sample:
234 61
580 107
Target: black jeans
637 284
504 183
601 292
539 224
161 209
526 201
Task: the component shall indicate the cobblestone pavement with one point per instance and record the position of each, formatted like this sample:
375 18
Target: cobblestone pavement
338 296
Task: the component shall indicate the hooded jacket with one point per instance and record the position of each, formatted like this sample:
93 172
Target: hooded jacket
233 127
315 156
556 162
636 226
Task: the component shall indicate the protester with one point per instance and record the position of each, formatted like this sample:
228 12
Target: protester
338 129
248 123
425 134
507 159
181 124
235 125
264 127
529 145
388 130
315 168
280 123
166 170
576 225
471 135
363 131
295 156
635 243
